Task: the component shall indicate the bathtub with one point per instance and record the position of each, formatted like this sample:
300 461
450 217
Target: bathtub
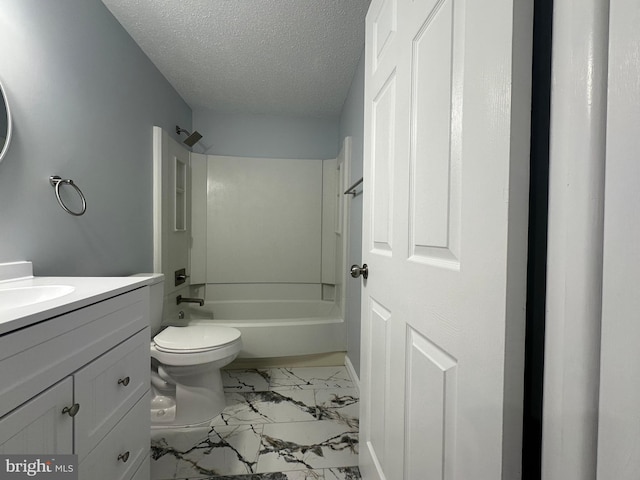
277 328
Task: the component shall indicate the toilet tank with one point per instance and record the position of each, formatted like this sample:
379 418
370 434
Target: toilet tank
156 300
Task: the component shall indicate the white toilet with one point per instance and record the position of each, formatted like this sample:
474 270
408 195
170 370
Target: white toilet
185 368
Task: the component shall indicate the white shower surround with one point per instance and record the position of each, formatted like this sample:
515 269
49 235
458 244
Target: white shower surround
270 275
278 328
263 221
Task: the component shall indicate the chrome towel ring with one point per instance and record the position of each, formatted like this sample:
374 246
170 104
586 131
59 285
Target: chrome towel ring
55 182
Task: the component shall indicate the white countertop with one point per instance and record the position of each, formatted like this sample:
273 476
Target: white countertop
86 291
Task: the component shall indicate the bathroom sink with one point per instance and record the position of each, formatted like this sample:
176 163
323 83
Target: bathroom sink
15 297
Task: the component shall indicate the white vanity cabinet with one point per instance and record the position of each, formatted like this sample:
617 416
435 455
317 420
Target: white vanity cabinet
79 383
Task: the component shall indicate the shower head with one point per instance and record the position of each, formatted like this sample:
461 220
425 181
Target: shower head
192 138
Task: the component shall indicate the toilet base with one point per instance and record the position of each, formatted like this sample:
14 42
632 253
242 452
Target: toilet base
199 399
163 409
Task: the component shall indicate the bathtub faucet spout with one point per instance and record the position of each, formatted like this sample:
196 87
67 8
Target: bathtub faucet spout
180 299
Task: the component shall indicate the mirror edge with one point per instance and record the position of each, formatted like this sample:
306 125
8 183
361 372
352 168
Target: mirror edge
7 141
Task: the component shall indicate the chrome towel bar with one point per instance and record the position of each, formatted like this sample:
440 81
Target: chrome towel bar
352 189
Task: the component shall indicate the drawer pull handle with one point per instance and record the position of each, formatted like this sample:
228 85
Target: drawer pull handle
124 457
124 382
72 411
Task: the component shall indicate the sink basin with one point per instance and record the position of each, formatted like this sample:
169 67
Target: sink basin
23 296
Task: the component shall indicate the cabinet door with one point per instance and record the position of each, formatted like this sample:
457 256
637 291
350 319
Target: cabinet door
39 426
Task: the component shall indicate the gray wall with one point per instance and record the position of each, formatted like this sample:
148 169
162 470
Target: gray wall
84 100
352 124
267 136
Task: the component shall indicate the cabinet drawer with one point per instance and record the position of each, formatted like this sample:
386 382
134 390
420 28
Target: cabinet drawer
131 434
35 358
107 388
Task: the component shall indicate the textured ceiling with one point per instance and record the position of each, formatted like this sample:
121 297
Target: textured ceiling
292 57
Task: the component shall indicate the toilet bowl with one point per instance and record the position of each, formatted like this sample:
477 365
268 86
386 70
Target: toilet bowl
185 373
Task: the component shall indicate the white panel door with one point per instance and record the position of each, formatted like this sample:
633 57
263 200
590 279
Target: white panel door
446 158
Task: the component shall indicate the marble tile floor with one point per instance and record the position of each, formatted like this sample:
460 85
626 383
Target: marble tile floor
279 424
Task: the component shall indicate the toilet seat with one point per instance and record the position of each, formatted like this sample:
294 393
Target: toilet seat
195 338
195 345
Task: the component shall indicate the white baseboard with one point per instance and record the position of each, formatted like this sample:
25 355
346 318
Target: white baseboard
352 372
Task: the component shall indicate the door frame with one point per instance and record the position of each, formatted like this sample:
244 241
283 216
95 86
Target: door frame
576 223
